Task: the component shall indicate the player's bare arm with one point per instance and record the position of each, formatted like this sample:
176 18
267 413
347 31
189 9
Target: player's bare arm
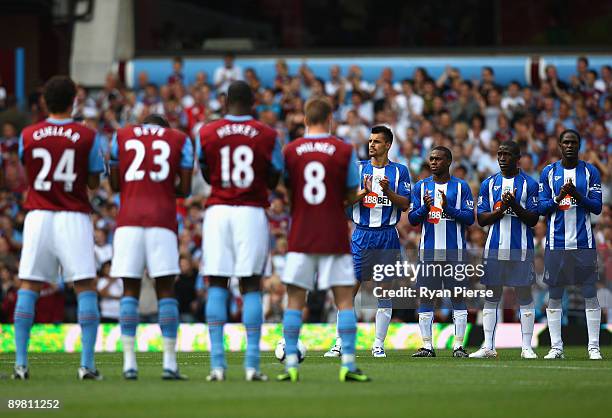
351 195
114 179
273 179
183 188
93 181
489 218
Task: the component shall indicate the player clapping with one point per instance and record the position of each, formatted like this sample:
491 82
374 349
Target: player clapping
570 190
508 203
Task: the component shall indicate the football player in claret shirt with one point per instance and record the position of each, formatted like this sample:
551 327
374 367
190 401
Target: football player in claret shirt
508 204
321 174
376 209
241 159
62 159
570 190
443 204
146 162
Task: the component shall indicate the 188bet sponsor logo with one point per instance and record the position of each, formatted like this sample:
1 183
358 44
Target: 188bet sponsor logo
436 215
567 202
508 210
372 200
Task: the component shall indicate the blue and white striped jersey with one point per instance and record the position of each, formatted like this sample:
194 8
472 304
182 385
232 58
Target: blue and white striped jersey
509 238
569 222
443 231
375 210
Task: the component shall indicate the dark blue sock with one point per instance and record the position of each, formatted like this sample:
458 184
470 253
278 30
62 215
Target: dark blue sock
347 329
252 317
128 316
168 317
384 303
216 317
24 318
89 319
292 322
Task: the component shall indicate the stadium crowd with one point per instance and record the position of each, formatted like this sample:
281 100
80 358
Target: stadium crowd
471 117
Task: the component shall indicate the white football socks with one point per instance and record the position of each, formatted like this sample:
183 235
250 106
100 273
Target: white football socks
129 354
593 319
383 318
169 354
553 317
527 322
460 320
426 325
489 322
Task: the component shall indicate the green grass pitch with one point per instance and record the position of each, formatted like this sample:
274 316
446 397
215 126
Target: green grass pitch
401 387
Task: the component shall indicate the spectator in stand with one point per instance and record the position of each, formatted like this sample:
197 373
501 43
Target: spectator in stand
421 113
177 76
269 103
513 102
487 81
465 106
564 117
227 73
335 81
110 290
103 249
356 133
185 290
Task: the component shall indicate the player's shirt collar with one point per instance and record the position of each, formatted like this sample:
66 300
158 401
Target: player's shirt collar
60 121
316 136
510 178
238 118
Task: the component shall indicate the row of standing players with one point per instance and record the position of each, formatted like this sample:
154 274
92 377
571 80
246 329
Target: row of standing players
241 158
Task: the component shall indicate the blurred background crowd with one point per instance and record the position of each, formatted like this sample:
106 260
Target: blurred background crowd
471 117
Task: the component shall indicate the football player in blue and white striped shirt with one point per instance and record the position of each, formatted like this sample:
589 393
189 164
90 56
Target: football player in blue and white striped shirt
570 190
384 194
443 204
508 204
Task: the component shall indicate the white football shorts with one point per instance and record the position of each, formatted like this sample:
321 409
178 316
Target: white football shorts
57 238
319 270
136 248
235 241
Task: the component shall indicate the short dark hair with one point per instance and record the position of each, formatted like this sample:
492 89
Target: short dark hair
177 59
479 117
445 150
489 69
317 110
570 131
584 59
59 93
156 119
513 146
386 132
240 93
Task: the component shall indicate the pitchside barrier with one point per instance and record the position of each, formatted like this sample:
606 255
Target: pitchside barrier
66 338
522 68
